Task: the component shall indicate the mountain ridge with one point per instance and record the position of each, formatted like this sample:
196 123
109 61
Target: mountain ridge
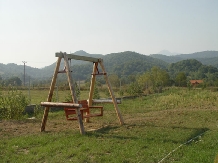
112 62
167 53
205 57
122 63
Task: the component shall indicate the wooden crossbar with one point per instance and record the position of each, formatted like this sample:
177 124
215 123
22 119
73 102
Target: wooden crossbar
78 57
105 101
58 104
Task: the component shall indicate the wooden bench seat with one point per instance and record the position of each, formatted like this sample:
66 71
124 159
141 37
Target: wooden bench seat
86 111
71 113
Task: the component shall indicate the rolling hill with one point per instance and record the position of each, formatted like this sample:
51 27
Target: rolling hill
205 57
123 63
194 69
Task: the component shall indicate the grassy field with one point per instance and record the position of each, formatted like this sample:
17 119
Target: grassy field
38 96
178 125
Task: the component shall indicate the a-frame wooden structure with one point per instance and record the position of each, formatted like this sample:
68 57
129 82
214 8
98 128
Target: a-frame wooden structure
75 105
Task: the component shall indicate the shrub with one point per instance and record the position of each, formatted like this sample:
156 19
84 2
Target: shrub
134 89
12 104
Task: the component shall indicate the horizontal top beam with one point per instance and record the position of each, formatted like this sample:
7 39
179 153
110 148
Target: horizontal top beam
78 57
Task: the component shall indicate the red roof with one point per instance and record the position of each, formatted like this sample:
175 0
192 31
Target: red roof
196 81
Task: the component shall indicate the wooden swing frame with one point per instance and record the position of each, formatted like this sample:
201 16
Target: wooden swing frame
75 105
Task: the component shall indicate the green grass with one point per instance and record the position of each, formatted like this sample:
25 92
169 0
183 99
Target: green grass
155 125
38 96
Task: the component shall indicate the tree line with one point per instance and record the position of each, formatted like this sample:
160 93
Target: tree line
154 78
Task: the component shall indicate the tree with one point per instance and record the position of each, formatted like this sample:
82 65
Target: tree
181 79
155 78
194 70
15 81
144 80
134 89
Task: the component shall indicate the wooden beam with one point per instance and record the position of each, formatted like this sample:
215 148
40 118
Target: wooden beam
70 80
78 57
105 101
53 82
92 86
59 104
73 94
112 95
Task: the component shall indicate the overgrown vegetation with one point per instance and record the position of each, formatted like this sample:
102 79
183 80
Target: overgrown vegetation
12 104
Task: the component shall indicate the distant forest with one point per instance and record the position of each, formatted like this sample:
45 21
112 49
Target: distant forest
127 67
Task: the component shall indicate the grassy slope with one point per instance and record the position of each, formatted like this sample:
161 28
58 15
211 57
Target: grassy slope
155 125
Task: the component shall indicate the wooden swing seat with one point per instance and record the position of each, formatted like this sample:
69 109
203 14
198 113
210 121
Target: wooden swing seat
71 113
86 111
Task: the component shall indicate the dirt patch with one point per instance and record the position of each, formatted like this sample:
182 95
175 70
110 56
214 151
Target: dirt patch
12 128
9 128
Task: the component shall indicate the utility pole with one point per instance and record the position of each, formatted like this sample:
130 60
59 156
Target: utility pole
24 62
29 90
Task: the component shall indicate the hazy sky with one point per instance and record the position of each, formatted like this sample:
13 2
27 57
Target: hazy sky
33 30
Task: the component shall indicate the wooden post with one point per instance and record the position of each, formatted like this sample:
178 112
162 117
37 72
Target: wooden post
53 82
73 94
92 86
70 80
112 94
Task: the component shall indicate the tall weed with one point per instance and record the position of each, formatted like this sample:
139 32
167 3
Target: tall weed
12 104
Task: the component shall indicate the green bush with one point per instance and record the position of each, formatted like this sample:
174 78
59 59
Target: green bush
134 89
12 104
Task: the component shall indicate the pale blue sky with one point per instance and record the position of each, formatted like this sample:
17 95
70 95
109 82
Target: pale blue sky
33 30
